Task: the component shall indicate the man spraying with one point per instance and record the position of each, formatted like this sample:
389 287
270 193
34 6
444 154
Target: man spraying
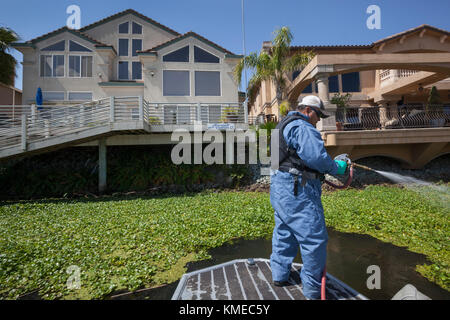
295 193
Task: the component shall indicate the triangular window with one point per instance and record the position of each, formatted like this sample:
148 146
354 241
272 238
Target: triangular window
73 46
181 55
201 55
59 46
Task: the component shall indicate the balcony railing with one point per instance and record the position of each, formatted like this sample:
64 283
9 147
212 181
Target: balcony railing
388 76
401 117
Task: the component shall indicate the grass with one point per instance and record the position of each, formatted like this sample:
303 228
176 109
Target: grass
129 243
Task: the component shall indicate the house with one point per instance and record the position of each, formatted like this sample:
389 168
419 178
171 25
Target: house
10 95
127 54
381 74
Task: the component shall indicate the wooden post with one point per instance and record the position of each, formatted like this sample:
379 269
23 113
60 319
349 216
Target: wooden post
24 132
102 165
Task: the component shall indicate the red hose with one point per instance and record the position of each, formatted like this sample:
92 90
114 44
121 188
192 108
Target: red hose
324 275
323 289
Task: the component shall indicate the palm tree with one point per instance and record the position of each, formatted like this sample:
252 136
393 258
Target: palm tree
273 65
7 62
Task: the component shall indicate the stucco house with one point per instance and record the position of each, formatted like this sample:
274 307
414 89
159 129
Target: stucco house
397 70
127 54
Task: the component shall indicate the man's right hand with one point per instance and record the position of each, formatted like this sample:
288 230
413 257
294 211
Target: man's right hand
342 166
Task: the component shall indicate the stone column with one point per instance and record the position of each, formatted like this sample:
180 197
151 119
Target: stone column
328 124
383 114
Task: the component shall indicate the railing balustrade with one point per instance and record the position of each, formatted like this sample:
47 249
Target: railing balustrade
43 122
398 117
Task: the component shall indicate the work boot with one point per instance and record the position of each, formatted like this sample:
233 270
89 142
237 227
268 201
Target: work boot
281 283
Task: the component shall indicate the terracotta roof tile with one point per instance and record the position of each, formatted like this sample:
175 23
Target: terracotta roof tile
129 11
183 36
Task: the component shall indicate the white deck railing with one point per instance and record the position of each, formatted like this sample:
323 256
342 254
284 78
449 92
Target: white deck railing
21 125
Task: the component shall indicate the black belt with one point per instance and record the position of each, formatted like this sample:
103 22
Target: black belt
305 173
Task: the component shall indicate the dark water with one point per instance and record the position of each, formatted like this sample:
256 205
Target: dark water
349 256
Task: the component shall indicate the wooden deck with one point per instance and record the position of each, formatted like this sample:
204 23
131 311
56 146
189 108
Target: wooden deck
251 279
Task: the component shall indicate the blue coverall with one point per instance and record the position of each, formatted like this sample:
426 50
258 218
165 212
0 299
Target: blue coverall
299 220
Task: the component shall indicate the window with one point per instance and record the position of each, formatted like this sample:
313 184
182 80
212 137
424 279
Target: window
181 55
308 89
333 84
60 46
350 82
201 55
123 47
123 70
137 28
207 83
137 71
46 66
58 66
80 96
124 28
74 66
52 65
73 46
86 66
137 46
176 83
80 66
53 95
295 74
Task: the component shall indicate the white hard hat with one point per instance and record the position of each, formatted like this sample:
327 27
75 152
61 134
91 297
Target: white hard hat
315 102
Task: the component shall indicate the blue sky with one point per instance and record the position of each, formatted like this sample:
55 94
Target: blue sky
319 22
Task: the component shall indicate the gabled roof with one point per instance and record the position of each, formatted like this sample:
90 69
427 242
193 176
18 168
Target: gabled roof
80 33
32 43
187 35
133 12
410 31
371 47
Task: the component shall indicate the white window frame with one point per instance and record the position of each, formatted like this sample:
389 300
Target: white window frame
131 29
81 71
69 92
190 85
205 63
65 47
128 49
182 47
118 70
52 55
131 46
220 85
142 72
68 49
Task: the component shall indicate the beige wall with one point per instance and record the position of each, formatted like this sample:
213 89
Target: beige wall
108 33
154 82
31 70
